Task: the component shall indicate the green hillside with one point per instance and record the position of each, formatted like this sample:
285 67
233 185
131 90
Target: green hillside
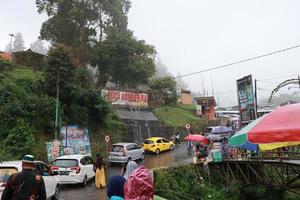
178 115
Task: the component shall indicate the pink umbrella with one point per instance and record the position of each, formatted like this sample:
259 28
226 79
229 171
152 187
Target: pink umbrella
196 138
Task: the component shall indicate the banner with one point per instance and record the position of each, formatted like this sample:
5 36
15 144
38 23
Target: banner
246 101
75 140
53 150
125 98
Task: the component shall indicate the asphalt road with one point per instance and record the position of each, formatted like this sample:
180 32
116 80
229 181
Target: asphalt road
179 156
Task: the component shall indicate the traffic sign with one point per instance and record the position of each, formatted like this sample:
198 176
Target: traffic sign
187 126
107 138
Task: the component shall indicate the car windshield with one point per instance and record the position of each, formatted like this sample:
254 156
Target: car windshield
65 163
117 148
5 173
208 130
148 142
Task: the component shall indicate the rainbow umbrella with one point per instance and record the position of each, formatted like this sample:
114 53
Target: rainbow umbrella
279 128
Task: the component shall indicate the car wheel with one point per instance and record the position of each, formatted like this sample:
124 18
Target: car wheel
142 156
84 181
171 147
56 194
157 151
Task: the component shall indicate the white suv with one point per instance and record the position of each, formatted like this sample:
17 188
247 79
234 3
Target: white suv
72 169
122 152
8 168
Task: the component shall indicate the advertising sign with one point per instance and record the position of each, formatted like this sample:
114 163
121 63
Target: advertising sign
75 140
246 99
126 98
53 150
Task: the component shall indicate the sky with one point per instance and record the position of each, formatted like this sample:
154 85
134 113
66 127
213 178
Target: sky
194 35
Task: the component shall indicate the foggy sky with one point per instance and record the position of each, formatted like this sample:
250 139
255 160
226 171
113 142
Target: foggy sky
192 35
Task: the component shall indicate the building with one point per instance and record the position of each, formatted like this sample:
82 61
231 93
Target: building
5 56
185 97
206 107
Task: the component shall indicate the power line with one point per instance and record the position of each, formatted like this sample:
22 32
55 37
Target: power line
272 78
241 61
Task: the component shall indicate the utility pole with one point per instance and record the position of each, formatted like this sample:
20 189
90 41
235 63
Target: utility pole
57 106
11 36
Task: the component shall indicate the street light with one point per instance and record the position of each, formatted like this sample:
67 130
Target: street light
11 36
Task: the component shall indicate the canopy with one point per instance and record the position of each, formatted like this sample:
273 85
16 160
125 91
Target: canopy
279 128
196 138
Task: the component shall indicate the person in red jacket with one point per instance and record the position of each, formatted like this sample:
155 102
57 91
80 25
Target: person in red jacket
139 185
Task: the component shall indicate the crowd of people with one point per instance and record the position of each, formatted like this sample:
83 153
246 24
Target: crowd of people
124 186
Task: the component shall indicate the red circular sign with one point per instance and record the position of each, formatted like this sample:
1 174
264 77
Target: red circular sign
107 138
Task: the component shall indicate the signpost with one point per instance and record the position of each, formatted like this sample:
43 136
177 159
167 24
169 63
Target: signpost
107 139
187 126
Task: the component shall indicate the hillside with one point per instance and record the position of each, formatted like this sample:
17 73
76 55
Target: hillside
179 115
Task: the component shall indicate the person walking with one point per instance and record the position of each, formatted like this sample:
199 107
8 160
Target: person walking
131 166
177 141
100 172
25 185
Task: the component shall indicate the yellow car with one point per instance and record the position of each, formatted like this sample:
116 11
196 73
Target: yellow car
157 145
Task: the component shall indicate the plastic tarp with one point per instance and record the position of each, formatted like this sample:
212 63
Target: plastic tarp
139 185
281 125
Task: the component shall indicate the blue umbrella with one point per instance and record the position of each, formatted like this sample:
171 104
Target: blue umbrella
222 130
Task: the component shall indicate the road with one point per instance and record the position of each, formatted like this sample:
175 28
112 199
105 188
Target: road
177 157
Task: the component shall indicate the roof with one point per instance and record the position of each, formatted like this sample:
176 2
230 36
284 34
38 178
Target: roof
5 56
75 156
205 100
155 138
123 143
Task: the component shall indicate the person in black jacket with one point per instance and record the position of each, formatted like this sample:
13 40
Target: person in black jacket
25 185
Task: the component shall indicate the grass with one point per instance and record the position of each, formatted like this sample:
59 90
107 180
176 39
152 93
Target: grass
25 73
177 115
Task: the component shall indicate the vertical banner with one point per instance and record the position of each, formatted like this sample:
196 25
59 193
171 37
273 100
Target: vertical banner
53 150
246 101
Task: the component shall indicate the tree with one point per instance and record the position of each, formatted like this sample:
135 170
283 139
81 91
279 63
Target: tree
77 23
124 60
38 46
18 43
60 66
163 91
20 139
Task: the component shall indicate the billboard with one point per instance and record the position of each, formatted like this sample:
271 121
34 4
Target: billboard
246 100
75 140
126 98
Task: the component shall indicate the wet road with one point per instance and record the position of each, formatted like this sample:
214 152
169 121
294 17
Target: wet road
166 159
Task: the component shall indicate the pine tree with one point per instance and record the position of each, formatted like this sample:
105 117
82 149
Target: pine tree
18 44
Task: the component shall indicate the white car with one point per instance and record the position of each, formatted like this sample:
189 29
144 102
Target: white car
52 185
73 169
123 152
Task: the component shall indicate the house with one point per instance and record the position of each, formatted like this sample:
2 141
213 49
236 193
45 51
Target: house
206 106
5 56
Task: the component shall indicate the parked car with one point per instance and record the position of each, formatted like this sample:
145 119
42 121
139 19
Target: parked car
52 184
123 152
73 169
157 145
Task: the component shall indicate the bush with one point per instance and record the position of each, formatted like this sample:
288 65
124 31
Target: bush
20 139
